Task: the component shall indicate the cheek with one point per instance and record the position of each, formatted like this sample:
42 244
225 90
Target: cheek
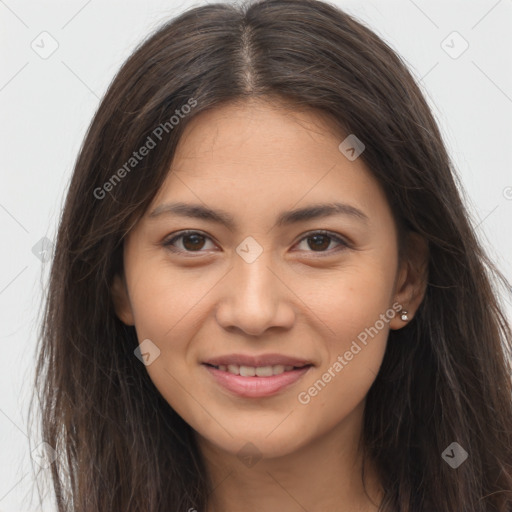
354 300
164 313
168 308
165 302
351 360
356 309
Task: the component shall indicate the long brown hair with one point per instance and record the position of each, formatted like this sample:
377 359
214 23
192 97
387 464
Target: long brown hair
445 377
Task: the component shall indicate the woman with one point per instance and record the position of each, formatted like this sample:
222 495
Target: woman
266 292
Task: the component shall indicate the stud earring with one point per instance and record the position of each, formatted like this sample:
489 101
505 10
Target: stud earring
404 316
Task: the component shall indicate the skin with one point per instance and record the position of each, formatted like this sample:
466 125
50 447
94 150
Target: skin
254 160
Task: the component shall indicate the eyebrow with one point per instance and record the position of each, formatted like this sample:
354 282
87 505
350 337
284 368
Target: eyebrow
314 211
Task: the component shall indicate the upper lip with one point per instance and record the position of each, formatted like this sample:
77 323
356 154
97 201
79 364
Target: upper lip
261 360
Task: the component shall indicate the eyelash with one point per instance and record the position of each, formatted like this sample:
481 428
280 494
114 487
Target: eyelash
344 244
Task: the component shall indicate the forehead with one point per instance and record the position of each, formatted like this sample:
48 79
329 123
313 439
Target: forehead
254 132
255 156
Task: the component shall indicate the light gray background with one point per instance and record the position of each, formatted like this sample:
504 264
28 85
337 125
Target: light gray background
47 104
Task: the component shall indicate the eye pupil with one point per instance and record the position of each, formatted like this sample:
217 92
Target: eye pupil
192 236
317 245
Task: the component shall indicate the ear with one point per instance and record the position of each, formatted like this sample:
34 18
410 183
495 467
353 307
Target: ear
121 300
411 282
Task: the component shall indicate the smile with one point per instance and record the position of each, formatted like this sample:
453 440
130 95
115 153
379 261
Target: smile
251 371
256 381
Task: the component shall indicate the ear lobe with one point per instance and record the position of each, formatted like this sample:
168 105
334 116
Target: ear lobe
121 300
412 279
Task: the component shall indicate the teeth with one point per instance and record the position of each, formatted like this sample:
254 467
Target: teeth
248 371
233 368
263 371
251 371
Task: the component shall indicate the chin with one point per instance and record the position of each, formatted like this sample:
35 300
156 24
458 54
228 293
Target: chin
257 442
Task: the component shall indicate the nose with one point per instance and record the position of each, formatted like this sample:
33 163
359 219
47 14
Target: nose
255 297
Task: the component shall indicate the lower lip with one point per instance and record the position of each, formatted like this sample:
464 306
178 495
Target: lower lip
256 387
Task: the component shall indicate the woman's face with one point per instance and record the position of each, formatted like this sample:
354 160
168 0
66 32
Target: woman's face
305 314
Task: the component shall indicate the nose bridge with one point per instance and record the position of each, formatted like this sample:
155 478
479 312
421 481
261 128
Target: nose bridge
253 271
254 297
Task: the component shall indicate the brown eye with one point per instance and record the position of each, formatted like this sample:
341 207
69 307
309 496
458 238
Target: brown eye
191 241
319 241
194 242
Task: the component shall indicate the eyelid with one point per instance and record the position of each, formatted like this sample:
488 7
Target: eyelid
342 241
167 243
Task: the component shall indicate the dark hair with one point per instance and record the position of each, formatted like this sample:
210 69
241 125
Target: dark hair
444 377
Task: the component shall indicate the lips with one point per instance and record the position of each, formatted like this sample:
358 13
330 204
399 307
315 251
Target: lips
256 376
